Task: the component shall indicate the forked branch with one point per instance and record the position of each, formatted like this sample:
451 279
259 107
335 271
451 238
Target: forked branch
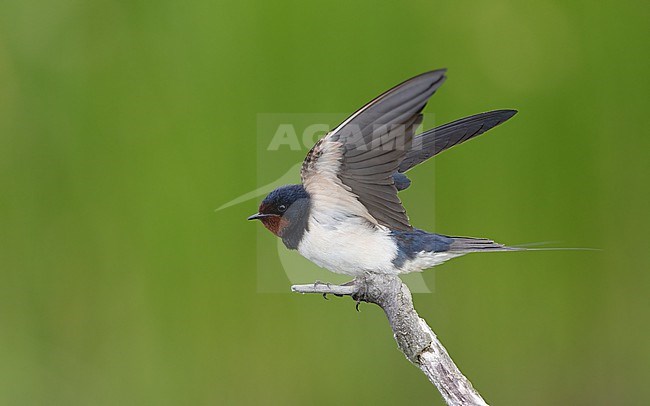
413 335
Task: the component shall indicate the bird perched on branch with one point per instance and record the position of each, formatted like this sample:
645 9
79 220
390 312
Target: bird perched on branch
345 215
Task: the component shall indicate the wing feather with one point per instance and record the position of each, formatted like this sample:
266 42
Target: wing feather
353 165
436 140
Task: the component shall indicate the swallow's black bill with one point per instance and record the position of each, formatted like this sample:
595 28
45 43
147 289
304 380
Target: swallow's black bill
258 216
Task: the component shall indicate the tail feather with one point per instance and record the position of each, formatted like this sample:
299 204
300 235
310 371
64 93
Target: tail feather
469 244
419 250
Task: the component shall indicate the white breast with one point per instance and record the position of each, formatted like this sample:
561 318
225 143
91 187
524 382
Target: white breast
347 244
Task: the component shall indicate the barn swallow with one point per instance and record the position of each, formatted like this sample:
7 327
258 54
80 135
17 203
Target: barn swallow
345 215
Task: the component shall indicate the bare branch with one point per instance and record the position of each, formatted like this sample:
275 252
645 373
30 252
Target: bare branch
413 335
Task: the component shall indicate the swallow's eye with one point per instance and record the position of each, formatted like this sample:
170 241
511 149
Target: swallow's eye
282 207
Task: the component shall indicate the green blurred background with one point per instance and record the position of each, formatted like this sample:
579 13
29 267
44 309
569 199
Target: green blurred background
124 124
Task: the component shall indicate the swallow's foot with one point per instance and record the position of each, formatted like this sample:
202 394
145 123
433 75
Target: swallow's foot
360 295
323 283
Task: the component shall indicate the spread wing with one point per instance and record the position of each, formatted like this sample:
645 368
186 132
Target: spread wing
436 140
351 168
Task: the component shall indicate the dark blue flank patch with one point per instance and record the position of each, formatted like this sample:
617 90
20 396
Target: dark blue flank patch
401 181
410 243
298 221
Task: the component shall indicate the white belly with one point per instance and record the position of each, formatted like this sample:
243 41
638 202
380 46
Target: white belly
425 260
348 245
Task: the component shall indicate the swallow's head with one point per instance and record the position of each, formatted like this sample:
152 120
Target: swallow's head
282 208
